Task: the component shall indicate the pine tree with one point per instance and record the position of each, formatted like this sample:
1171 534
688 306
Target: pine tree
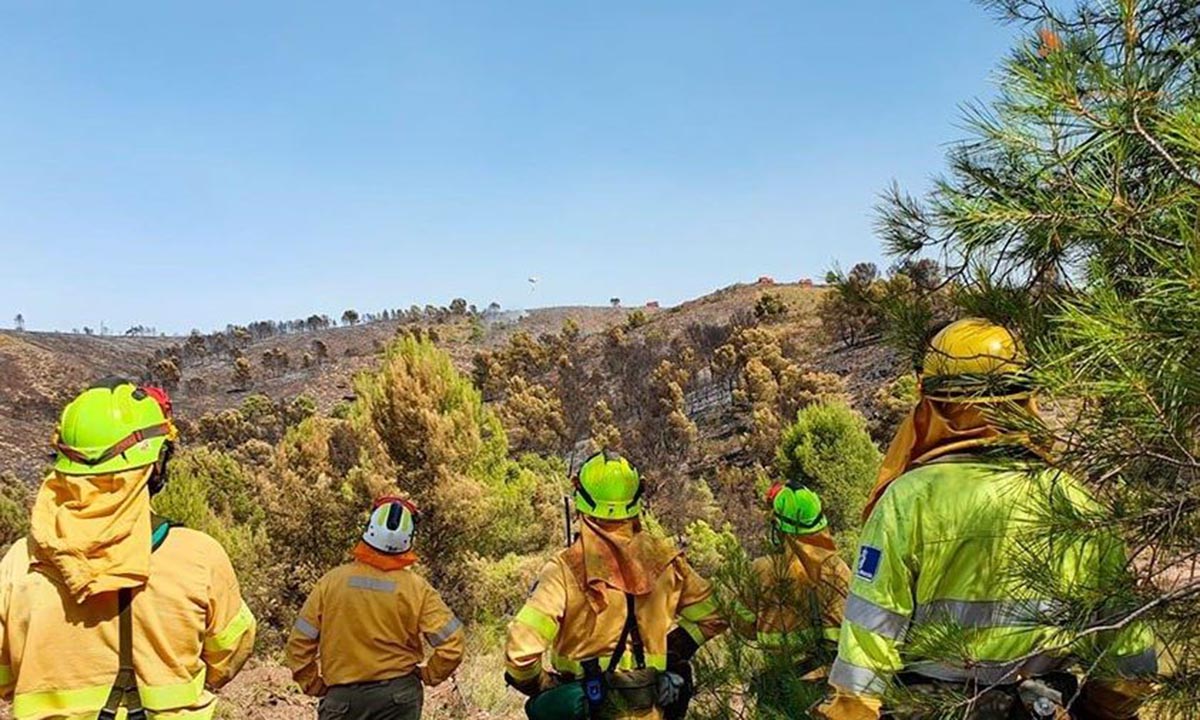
1071 214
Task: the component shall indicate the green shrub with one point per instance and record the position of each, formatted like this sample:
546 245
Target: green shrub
829 448
314 513
230 489
769 306
15 501
451 453
893 402
707 548
491 590
197 477
636 319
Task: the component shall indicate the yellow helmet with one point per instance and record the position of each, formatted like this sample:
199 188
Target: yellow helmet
114 426
975 360
608 487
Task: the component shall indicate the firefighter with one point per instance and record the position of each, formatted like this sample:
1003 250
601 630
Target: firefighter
358 642
792 607
961 496
621 612
107 608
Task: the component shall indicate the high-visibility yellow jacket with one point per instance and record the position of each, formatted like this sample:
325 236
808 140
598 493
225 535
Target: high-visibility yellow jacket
362 624
191 634
558 617
950 545
796 598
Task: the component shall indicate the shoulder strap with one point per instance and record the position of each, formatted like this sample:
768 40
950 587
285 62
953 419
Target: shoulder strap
160 528
630 636
816 613
125 688
635 634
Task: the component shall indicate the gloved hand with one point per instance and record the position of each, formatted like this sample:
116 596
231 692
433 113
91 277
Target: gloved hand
843 706
529 688
681 647
680 668
670 688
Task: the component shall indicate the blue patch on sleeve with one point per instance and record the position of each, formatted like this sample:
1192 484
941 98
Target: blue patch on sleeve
868 562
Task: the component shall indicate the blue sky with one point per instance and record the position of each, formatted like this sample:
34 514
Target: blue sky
191 164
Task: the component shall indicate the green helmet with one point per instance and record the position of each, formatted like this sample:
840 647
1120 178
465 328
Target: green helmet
796 510
111 427
608 487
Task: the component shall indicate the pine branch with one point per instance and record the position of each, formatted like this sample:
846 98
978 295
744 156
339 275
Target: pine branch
1163 152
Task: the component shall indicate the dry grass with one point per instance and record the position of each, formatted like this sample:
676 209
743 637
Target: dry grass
264 690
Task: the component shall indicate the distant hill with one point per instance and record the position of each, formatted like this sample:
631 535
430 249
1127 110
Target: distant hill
40 371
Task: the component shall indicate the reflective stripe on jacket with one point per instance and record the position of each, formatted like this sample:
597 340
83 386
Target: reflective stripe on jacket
795 601
363 624
192 634
558 617
949 546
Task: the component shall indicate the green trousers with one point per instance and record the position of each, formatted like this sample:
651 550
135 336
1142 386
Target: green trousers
399 699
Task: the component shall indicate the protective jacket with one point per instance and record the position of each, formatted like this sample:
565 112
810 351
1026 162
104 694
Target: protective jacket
797 597
579 618
364 624
949 544
191 634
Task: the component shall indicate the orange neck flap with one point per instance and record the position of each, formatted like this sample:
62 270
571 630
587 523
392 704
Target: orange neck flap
617 554
811 551
93 530
935 429
368 555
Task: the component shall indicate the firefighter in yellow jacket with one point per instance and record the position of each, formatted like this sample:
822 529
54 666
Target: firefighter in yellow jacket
957 517
358 644
620 612
105 609
792 605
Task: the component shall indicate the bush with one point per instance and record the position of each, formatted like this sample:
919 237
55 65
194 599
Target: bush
492 590
15 501
739 493
829 448
451 453
769 306
229 490
315 513
708 549
893 402
205 492
636 319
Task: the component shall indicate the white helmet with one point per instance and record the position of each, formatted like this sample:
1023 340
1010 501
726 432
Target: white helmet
392 525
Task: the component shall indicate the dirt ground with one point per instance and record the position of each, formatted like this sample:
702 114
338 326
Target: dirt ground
264 691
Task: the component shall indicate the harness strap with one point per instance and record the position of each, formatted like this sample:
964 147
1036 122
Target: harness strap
124 690
635 634
630 636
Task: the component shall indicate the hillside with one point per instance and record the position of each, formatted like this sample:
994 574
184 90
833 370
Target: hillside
39 371
698 394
